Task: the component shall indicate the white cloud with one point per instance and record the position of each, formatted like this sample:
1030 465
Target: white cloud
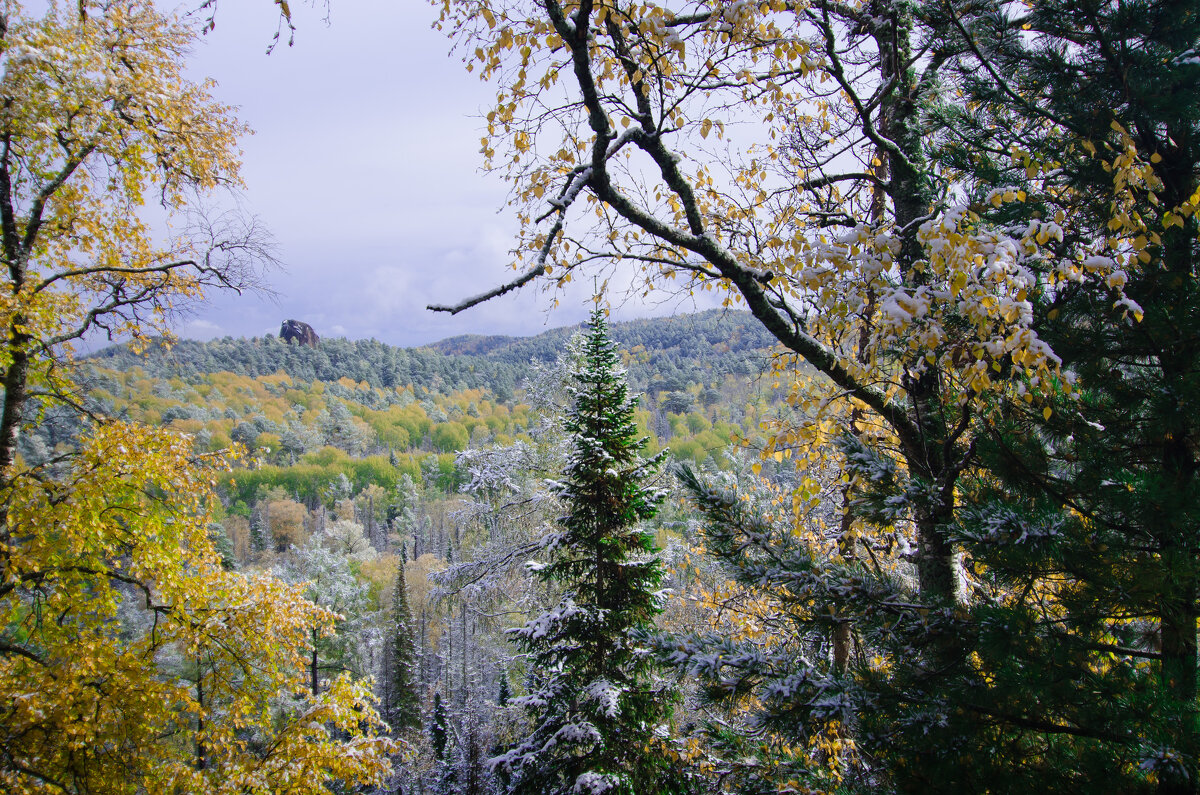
201 329
365 167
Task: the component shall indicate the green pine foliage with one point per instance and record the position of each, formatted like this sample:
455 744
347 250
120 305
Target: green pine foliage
1079 671
596 710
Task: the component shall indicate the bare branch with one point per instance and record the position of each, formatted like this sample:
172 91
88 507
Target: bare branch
496 292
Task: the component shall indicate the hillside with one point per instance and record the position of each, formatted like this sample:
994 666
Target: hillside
691 336
371 411
666 353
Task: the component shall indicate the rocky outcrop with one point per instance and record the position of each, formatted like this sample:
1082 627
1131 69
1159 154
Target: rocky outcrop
298 332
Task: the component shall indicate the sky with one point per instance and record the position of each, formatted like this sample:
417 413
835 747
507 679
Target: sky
365 167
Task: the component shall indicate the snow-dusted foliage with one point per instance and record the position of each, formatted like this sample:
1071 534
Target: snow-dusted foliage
499 521
339 428
770 661
331 583
494 469
594 709
347 539
504 514
546 393
464 770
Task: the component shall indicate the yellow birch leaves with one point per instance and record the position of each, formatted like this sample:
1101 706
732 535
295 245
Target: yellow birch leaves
129 655
130 660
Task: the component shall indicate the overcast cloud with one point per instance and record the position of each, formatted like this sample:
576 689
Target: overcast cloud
365 167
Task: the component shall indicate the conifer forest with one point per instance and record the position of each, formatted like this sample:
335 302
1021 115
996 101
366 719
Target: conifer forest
910 504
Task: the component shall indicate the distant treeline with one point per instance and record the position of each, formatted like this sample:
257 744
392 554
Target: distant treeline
666 354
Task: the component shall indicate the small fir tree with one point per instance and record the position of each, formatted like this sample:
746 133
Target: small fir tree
595 710
260 531
437 727
504 693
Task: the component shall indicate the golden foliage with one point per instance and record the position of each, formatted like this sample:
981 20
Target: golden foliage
286 519
131 661
99 117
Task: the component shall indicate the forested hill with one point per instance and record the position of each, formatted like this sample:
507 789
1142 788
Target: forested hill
693 337
297 406
666 353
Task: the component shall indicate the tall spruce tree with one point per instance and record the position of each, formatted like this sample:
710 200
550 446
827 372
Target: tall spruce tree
404 711
595 711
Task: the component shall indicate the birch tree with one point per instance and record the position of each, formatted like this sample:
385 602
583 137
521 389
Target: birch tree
130 660
832 226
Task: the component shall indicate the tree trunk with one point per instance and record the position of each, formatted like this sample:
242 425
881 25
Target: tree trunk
15 391
909 192
315 684
201 750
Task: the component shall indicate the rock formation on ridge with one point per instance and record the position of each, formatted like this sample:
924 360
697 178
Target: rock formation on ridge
298 332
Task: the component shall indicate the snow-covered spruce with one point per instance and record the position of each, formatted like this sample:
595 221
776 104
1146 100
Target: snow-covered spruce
595 711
